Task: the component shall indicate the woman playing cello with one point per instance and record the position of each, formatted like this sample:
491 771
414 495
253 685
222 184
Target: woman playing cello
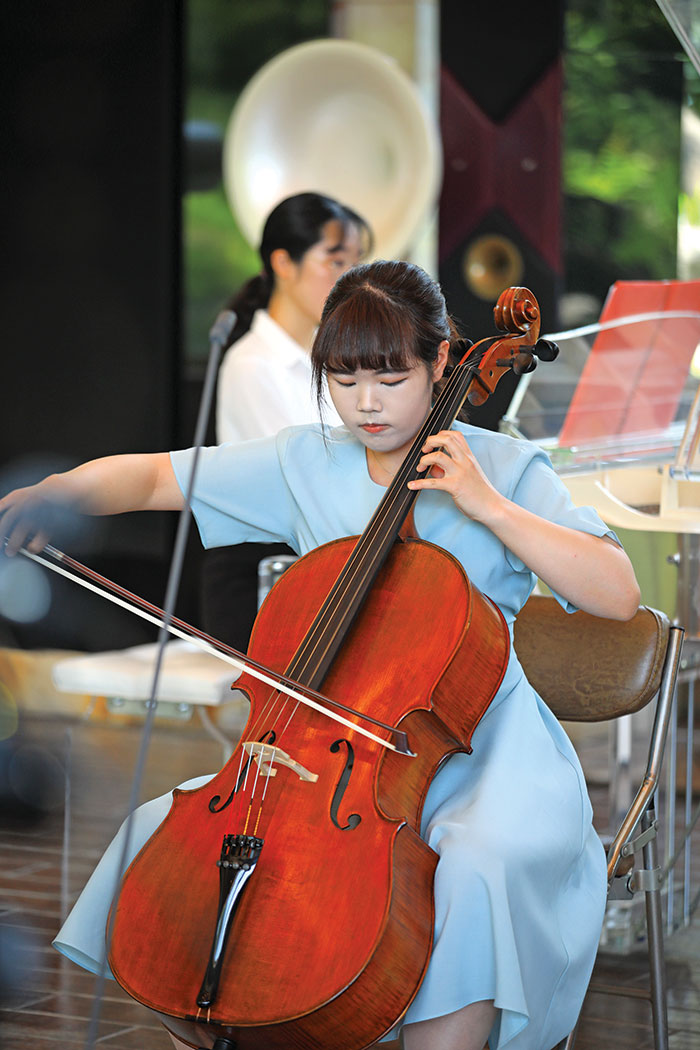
520 884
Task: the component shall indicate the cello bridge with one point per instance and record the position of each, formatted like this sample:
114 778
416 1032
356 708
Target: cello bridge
268 756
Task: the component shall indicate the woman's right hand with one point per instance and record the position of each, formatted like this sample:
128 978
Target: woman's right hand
28 516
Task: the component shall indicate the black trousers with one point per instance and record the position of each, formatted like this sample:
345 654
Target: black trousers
229 589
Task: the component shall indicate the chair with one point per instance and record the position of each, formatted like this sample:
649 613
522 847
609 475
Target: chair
589 669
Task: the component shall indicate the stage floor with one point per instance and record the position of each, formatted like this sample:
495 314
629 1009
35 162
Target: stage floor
52 1003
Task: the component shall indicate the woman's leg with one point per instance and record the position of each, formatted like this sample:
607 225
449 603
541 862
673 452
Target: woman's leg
465 1029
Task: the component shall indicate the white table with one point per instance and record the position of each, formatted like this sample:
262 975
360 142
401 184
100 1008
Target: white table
189 678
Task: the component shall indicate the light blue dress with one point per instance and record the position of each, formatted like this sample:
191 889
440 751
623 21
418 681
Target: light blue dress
521 884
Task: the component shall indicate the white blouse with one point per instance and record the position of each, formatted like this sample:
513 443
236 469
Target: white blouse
264 385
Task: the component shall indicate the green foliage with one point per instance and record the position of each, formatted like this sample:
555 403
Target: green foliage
217 262
689 208
213 106
624 85
229 40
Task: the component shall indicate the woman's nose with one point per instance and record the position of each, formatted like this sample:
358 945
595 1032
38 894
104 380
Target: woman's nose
367 399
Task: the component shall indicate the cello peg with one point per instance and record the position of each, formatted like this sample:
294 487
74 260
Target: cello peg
546 350
523 363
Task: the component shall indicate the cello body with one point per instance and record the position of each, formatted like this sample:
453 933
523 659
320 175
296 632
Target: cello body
333 930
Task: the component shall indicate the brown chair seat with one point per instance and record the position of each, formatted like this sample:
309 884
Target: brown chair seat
590 669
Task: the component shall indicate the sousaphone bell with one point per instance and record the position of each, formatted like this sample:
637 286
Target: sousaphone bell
340 118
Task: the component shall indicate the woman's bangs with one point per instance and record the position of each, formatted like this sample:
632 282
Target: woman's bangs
367 332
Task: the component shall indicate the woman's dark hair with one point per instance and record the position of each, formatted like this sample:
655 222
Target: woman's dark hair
380 315
295 224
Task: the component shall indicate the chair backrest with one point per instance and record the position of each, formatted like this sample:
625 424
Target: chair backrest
586 668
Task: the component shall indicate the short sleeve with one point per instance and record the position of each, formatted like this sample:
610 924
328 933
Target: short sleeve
240 493
538 488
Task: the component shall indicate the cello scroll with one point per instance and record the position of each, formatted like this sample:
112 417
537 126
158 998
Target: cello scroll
517 315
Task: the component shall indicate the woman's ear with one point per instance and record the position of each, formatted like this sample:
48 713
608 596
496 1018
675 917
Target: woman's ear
281 263
440 363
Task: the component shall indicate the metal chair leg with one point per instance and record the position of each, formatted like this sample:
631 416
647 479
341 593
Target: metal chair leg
570 1039
655 944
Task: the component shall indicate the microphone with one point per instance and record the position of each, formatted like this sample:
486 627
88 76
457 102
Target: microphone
224 324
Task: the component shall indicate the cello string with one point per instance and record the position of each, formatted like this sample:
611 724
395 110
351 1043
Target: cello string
252 796
346 585
238 816
268 775
259 759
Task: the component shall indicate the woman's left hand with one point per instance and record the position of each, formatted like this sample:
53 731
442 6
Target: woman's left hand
453 468
592 572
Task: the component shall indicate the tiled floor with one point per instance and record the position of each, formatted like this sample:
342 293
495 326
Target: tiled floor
49 1002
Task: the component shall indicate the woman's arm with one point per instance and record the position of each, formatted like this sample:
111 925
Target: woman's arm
591 572
112 485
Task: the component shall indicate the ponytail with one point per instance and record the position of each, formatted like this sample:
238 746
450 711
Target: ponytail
254 295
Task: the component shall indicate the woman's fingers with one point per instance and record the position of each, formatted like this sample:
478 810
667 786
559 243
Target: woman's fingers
26 520
451 443
10 535
27 538
16 533
432 459
447 453
446 437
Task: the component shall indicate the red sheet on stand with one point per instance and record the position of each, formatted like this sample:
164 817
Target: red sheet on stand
633 377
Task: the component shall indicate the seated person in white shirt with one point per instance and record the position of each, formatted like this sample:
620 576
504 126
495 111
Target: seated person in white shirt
264 382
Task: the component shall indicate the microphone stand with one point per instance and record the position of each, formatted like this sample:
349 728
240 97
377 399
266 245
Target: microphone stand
218 337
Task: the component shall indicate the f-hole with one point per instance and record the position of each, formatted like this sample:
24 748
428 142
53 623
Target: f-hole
268 738
354 818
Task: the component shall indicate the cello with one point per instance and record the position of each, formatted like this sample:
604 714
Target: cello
316 929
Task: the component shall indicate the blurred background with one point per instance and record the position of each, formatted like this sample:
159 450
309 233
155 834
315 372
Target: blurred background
554 145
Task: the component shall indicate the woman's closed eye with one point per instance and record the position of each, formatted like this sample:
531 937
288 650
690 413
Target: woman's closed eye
339 262
348 380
